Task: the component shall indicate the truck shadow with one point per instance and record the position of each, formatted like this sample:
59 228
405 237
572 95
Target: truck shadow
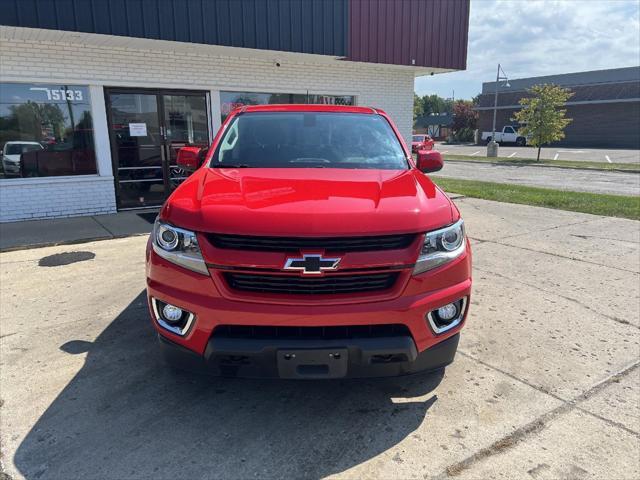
126 415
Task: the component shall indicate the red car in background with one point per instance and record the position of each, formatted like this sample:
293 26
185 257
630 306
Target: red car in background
421 142
308 245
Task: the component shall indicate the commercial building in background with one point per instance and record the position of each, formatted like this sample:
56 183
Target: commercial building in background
605 107
436 125
96 97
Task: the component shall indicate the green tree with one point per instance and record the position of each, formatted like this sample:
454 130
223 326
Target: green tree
542 115
31 118
417 107
428 104
436 104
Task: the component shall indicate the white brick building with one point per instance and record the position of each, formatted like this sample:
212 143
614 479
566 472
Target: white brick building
125 78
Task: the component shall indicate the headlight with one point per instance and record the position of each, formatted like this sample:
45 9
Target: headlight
167 237
441 246
178 246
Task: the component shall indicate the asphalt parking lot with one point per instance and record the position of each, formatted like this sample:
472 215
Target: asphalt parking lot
551 153
546 383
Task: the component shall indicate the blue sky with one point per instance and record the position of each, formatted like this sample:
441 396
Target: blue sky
542 37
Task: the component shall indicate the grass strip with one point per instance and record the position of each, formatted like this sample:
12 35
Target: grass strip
585 165
595 203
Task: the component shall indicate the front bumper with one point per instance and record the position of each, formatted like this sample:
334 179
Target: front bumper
304 359
11 167
201 347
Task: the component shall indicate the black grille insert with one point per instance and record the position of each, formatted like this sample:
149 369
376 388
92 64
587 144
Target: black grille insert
325 285
296 244
312 333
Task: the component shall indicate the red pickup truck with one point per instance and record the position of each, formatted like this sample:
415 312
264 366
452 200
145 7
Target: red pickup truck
308 244
421 142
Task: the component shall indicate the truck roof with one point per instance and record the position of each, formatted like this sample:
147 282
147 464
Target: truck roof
305 107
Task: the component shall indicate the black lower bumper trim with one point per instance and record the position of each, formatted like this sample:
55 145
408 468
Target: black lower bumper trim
311 359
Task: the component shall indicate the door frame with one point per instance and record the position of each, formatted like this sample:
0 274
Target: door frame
158 92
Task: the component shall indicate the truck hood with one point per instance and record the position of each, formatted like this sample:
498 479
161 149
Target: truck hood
308 202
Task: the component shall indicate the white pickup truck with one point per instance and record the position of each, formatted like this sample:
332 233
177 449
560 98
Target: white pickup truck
507 135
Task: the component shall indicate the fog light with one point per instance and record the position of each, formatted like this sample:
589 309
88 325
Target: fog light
171 313
174 319
448 316
448 312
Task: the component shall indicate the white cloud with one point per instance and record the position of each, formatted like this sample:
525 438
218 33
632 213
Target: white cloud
542 37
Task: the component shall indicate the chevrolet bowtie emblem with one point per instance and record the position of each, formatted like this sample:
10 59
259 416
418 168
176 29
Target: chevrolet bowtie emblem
311 264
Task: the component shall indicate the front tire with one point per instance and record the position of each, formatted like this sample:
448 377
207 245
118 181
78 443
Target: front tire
521 141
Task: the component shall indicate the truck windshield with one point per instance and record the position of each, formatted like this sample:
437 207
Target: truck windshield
309 139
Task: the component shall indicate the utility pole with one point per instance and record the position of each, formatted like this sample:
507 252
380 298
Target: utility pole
492 146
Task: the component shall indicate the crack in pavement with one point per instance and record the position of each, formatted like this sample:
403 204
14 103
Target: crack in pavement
555 227
519 435
573 300
584 237
101 225
511 375
563 256
547 392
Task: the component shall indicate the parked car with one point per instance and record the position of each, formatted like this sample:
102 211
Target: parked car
308 245
421 142
12 153
508 134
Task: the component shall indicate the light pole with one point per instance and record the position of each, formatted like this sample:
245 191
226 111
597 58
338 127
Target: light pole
492 146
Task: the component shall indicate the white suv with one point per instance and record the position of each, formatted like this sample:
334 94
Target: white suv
12 152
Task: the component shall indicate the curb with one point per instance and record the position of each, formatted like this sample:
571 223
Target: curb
455 196
78 241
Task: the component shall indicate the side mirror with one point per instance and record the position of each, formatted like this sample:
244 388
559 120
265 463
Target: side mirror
429 161
189 158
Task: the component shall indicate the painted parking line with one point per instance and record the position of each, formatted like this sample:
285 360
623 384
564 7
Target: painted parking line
556 156
608 159
513 154
475 153
444 151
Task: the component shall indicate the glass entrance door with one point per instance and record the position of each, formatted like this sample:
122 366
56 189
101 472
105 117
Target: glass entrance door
146 129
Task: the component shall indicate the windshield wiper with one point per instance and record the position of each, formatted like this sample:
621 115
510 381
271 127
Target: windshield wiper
229 165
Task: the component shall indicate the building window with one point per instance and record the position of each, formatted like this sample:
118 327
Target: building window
232 100
45 130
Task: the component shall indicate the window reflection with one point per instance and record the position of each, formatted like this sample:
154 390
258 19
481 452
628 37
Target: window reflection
186 119
232 100
45 130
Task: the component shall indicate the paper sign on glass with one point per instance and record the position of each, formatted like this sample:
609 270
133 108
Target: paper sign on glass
138 129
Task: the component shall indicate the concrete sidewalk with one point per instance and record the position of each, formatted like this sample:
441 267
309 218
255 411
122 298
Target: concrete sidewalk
546 383
63 231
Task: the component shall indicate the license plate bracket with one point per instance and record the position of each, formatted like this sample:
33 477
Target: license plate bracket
313 363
